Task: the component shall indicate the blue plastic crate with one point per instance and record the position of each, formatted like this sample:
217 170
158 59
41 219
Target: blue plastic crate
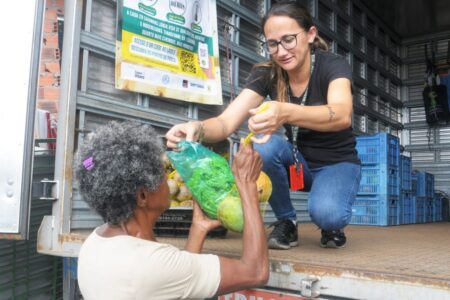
418 183
429 185
437 208
406 208
379 180
419 213
381 148
379 210
429 203
405 173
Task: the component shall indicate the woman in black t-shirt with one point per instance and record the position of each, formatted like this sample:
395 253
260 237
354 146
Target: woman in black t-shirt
310 96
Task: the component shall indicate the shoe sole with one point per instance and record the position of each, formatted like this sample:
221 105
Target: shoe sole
273 244
331 244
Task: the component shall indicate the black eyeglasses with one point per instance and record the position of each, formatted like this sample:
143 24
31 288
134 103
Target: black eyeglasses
288 41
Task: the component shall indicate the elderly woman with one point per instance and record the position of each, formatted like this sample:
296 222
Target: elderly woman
120 173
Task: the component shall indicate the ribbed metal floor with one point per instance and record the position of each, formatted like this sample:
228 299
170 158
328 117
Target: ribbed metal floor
418 253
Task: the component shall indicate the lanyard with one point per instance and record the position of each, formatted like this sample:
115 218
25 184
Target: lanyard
302 102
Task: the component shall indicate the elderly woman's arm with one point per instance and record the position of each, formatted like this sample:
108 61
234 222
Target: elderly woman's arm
252 269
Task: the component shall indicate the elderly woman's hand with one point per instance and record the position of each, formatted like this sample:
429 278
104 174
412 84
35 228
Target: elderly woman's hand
247 164
201 222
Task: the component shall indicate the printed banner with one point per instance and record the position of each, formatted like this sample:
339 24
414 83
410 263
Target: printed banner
169 48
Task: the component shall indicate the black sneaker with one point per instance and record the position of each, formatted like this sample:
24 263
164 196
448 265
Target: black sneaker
283 236
333 239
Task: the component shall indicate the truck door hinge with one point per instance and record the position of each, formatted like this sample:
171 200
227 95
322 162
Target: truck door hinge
309 287
46 190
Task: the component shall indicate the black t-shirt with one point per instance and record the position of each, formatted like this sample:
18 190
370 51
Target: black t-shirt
318 148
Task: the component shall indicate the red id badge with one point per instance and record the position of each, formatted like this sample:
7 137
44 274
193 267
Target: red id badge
296 177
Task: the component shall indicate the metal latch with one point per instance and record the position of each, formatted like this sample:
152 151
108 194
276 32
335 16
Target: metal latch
46 190
309 287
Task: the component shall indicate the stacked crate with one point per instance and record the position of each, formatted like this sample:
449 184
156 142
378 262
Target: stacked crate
437 207
405 215
423 193
429 197
377 202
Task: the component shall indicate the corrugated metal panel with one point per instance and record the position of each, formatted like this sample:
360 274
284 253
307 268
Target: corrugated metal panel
343 52
358 41
372 76
417 114
359 94
100 79
358 68
244 71
325 15
358 14
103 15
224 20
249 36
359 122
394 90
25 274
429 146
393 67
343 29
373 101
371 50
444 135
300 202
416 70
238 23
444 156
98 74
371 26
382 83
382 58
382 127
415 92
415 51
422 157
420 136
372 126
344 5
254 5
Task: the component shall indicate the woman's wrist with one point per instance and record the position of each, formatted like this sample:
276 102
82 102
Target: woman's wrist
200 131
198 229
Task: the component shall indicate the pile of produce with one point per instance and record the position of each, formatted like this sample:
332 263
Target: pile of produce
180 195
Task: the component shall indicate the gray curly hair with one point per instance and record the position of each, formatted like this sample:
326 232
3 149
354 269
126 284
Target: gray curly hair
113 162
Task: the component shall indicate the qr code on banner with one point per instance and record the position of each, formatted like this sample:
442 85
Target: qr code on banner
188 62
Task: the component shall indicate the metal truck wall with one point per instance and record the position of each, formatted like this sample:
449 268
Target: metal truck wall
89 97
375 61
97 100
25 274
429 147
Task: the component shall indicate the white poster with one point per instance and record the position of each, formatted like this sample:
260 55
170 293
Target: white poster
169 48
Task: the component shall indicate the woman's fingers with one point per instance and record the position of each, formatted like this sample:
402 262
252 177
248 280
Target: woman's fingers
261 140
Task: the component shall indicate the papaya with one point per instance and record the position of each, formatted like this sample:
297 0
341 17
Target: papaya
264 185
230 213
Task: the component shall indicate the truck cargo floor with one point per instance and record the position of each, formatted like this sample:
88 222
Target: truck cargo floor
415 253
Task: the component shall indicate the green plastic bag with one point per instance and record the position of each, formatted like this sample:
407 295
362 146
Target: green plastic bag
209 178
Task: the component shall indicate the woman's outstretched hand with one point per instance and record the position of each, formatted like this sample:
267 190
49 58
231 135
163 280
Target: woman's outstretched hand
189 131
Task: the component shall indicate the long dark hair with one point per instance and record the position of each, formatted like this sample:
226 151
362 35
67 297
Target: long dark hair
297 12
